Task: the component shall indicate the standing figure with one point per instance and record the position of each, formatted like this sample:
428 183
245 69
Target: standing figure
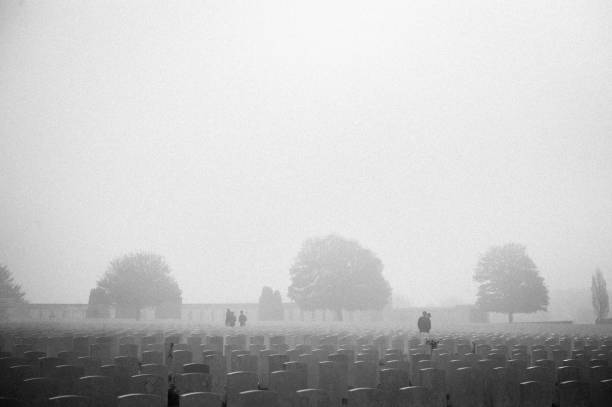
169 356
424 324
242 318
232 321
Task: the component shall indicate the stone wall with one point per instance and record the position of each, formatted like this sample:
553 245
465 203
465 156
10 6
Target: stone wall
215 313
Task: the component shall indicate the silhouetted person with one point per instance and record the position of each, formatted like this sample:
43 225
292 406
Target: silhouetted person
232 321
424 324
173 396
169 355
242 318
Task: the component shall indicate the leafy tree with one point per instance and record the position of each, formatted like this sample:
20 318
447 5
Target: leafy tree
270 305
139 280
337 274
509 282
10 292
599 292
99 304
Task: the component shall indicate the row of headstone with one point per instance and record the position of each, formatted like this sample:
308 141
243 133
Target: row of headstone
334 363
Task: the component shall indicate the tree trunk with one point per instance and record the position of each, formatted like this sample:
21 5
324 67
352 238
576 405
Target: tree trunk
510 317
338 315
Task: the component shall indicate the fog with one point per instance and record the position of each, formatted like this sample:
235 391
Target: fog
222 134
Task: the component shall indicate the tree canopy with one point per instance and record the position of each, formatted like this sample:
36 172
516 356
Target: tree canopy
10 292
99 304
139 280
337 274
599 292
509 282
270 305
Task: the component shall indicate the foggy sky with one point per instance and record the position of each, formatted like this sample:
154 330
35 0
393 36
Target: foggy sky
222 134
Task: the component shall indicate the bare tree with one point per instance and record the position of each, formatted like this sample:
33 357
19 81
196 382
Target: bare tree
599 292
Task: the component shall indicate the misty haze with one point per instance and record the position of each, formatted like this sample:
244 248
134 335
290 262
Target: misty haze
282 178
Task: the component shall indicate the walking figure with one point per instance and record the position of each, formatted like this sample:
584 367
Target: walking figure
424 324
169 356
242 318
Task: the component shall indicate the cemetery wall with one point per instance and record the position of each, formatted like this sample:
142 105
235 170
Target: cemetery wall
443 316
215 313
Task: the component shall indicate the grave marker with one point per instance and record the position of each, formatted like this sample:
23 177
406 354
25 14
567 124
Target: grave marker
258 398
139 400
532 395
574 394
313 398
200 399
366 397
151 385
285 384
100 389
192 382
415 396
238 382
70 401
